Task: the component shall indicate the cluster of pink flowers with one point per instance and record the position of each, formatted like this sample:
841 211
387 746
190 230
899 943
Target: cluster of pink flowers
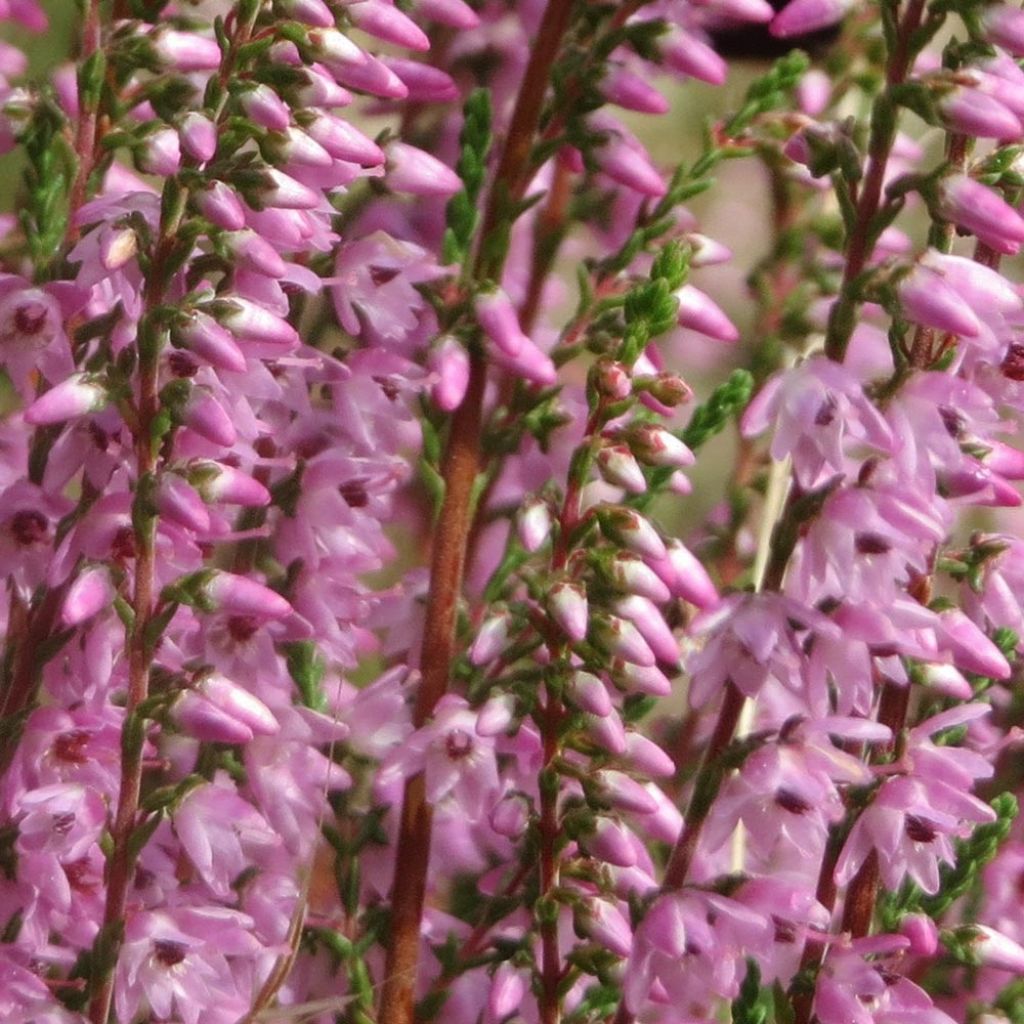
362 657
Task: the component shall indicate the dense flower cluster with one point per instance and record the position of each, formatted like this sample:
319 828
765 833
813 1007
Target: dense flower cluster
362 657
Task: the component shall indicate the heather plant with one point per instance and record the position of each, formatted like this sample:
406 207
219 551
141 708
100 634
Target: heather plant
439 586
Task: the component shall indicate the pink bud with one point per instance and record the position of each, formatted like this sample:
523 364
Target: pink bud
533 524
206 416
1003 25
76 396
607 732
682 572
814 92
688 55
623 640
227 485
981 211
629 165
91 592
203 721
454 13
286 193
994 949
205 337
647 679
612 379
590 694
220 205
800 16
185 51
625 793
606 924
250 322
254 253
923 935
198 136
530 363
613 843
700 312
239 703
972 651
648 620
499 320
160 153
632 574
293 145
926 299
178 501
510 816
628 527
617 465
706 252
418 173
264 107
239 595
118 248
631 92
508 989
567 603
427 83
343 141
387 23
947 680
659 447
647 758
490 640
449 361
312 12
973 112
495 715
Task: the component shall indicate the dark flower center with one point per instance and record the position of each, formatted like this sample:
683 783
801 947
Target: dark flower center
242 627
29 526
70 746
872 544
919 830
30 317
169 953
1013 362
123 546
354 493
827 411
458 744
792 802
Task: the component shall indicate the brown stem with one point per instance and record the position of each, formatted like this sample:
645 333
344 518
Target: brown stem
86 133
868 202
461 464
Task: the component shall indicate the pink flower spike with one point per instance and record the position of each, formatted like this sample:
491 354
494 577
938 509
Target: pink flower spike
386 22
417 173
71 398
450 361
699 312
567 603
800 16
89 594
237 702
239 595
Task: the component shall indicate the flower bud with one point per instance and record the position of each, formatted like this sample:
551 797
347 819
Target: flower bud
589 694
185 51
490 640
611 379
427 83
611 842
449 361
206 416
700 313
647 758
76 396
533 524
630 91
923 935
617 465
682 572
645 616
220 205
205 337
239 595
160 153
227 485
177 501
629 165
417 173
250 322
970 111
688 55
386 22
621 639
799 17
605 924
342 140
657 446
647 679
624 793
632 574
453 13
239 703
203 721
1003 25
667 388
285 193
254 253
567 603
626 526
311 12
981 211
90 592
198 136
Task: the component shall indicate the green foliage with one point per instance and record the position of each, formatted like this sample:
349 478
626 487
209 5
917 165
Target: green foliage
462 213
727 401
